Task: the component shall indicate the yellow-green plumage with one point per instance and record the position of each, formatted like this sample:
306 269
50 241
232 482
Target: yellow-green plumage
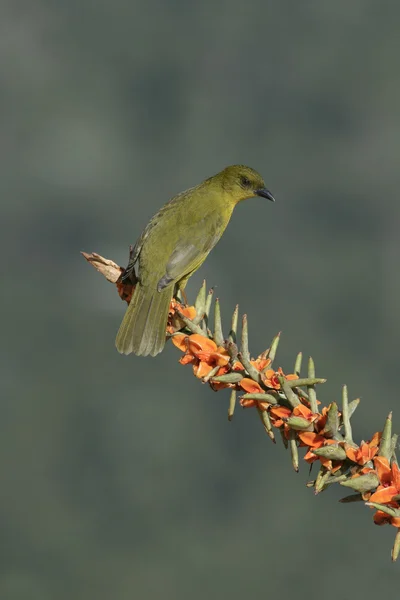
172 247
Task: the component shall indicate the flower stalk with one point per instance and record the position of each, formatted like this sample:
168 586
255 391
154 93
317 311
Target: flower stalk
369 468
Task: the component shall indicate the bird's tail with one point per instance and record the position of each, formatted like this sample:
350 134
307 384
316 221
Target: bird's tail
143 328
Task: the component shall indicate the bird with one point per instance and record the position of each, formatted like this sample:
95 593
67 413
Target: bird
173 245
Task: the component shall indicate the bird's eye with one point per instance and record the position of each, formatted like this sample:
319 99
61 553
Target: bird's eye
245 181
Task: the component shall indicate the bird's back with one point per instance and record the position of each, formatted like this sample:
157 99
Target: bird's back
196 217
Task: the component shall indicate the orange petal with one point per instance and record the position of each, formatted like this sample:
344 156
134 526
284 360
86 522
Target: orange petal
269 373
179 340
201 343
237 366
205 356
383 469
303 411
329 441
396 476
381 518
337 467
280 412
222 371
247 402
383 495
352 453
271 380
188 311
360 455
250 386
310 457
376 438
261 363
212 358
221 357
220 385
320 422
203 369
291 377
366 453
326 462
187 358
309 438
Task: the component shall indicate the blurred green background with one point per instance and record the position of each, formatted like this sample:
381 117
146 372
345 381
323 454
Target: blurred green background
120 476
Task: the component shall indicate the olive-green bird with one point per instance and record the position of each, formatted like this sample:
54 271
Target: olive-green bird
172 247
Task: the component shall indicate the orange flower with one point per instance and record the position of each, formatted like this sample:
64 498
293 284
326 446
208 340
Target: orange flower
187 311
221 385
279 414
181 341
252 387
237 366
382 518
249 403
202 352
271 380
389 477
365 452
303 411
311 439
175 323
260 363
387 491
321 419
315 440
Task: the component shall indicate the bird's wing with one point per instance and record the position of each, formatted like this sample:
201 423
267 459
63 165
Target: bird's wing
134 255
188 256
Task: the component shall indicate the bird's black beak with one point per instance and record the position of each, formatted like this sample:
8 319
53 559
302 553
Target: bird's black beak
265 194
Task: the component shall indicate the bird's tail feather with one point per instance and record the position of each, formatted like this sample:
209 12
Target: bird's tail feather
143 327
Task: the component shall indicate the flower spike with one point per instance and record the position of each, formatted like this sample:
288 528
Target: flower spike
369 468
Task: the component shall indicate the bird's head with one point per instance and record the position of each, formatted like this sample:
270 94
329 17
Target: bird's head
241 182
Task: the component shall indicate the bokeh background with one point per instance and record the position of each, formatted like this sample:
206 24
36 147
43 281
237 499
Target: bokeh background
120 476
